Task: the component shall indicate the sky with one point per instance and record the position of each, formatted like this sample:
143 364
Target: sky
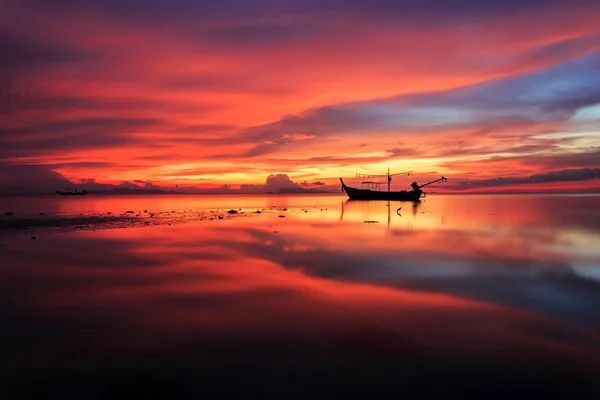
496 96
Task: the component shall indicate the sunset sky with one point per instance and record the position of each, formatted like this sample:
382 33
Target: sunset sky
500 95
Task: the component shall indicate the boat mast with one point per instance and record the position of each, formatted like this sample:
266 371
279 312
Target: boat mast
389 179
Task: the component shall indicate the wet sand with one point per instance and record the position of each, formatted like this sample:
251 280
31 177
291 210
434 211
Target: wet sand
13 224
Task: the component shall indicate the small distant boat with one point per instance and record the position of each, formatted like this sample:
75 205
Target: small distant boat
368 194
71 192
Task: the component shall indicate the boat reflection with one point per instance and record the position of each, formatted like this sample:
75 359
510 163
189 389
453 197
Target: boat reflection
377 211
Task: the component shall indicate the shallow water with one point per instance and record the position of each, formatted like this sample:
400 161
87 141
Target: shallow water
316 295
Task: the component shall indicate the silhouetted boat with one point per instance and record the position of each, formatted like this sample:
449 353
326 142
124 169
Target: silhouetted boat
70 192
369 194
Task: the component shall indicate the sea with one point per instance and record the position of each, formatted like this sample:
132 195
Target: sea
297 296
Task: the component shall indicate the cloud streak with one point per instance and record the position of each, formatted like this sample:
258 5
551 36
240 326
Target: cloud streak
566 175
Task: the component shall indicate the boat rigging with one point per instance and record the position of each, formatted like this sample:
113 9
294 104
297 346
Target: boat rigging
389 176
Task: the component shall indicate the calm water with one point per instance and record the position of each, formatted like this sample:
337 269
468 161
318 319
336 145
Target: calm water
455 296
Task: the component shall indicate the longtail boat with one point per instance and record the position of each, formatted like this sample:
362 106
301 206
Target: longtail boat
71 192
414 194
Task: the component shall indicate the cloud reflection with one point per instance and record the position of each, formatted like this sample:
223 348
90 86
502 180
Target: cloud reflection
321 299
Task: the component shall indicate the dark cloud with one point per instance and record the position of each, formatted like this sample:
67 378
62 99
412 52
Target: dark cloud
206 128
276 182
137 186
30 179
35 178
265 34
554 161
13 103
19 102
64 143
80 164
402 151
270 138
162 12
38 178
464 148
157 13
21 54
567 175
571 102
223 82
435 9
316 183
58 136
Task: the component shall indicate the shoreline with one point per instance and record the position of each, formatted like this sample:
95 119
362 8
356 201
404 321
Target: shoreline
54 223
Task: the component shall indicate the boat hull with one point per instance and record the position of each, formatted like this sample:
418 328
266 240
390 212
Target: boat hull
365 194
70 193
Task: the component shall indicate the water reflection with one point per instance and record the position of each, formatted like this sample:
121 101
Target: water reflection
376 211
428 300
97 203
